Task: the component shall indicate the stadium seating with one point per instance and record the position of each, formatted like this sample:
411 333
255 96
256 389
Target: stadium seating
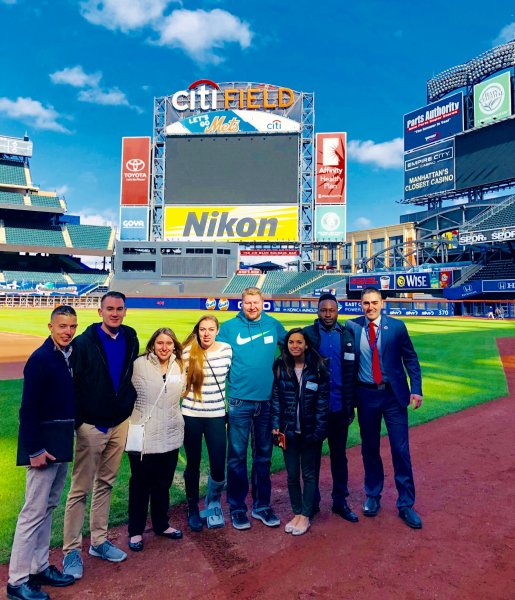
11 198
496 269
325 281
13 173
90 236
46 201
35 276
38 236
89 278
504 218
239 282
275 280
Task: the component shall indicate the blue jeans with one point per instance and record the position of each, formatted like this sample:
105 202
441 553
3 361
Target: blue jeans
246 417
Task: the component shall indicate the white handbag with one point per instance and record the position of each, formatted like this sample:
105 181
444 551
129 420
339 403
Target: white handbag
136 432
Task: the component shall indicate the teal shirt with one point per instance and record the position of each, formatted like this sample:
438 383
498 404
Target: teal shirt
254 345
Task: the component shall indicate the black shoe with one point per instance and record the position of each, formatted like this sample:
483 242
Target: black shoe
194 520
345 512
52 576
176 534
136 546
26 591
371 506
410 517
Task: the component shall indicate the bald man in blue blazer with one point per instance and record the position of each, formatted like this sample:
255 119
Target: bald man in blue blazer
384 354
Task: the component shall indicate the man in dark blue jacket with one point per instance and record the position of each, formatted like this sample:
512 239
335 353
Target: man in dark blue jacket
47 396
336 344
385 354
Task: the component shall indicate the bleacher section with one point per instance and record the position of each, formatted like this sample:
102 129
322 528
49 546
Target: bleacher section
276 280
13 173
11 198
325 281
89 278
90 236
495 269
35 276
504 218
37 236
45 201
239 282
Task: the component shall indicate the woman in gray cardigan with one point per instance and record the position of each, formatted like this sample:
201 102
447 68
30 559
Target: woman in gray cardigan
159 380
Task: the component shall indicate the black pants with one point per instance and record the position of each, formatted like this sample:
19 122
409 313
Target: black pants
337 433
215 433
151 479
304 456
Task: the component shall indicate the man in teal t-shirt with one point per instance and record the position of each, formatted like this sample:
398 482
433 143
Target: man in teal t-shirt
254 337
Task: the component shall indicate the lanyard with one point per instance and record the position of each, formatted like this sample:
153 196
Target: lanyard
367 333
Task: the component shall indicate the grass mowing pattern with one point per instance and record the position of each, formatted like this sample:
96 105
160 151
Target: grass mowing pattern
460 365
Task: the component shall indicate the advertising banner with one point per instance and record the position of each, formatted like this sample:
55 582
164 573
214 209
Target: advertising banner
135 178
133 223
382 282
330 223
269 252
429 170
233 121
231 223
501 234
492 99
499 285
330 168
433 123
23 287
422 312
414 281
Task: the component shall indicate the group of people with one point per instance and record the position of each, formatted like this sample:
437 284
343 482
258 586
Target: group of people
226 386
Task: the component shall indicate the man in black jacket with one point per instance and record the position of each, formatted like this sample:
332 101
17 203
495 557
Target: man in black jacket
102 370
47 396
336 343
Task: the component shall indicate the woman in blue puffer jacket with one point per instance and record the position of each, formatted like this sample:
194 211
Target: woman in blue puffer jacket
300 405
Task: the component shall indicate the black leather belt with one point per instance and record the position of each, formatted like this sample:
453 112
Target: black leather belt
375 386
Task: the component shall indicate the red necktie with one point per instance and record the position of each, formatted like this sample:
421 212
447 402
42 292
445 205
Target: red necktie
376 365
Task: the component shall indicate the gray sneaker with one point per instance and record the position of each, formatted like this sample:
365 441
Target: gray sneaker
108 551
72 564
267 516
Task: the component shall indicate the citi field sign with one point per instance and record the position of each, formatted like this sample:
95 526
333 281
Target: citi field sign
207 95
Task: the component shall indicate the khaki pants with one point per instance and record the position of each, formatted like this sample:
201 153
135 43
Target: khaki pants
97 459
29 554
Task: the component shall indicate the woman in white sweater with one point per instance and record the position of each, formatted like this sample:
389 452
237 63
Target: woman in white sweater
159 380
207 363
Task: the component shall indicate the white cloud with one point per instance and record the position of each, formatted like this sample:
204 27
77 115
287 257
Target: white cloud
123 15
8 1
113 97
362 222
76 77
507 34
103 217
62 190
200 32
33 113
387 155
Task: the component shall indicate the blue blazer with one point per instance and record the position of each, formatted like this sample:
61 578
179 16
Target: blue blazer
398 356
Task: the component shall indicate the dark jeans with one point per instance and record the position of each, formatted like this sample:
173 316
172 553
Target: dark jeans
337 433
304 456
215 434
249 418
151 478
373 405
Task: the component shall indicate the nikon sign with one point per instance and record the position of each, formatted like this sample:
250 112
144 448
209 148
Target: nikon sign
232 223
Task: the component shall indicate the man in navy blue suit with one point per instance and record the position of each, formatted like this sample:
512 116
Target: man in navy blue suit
385 353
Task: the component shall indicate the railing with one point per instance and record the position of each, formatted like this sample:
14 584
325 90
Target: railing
473 223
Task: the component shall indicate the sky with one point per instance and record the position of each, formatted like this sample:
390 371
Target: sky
78 75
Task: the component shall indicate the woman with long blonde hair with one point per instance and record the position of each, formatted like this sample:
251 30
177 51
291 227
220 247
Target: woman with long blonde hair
207 363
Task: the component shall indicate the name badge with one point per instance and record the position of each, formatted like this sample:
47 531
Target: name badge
349 356
311 385
268 339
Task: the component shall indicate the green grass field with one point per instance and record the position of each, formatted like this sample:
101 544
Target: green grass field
460 363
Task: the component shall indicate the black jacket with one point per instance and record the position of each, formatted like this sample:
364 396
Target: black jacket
349 365
312 397
97 402
47 394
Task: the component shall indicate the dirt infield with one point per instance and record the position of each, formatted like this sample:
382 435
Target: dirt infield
464 469
14 350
